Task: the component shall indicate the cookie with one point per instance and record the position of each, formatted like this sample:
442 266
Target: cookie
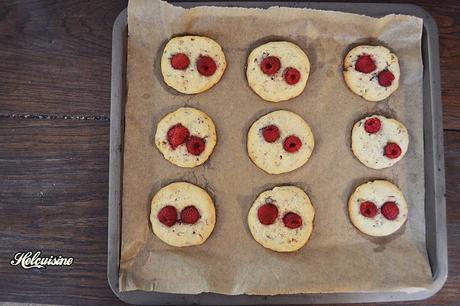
182 214
379 142
192 64
186 137
277 71
280 142
281 219
377 208
371 72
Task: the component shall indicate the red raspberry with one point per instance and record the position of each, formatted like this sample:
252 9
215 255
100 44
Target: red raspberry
271 133
167 215
291 76
206 65
292 144
292 220
365 64
270 65
267 213
386 78
390 210
189 215
195 145
177 135
180 61
368 209
392 150
372 125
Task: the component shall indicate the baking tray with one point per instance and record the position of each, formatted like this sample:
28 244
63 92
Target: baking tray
435 206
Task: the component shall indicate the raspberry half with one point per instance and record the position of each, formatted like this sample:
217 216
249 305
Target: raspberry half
291 76
292 144
372 125
270 65
180 61
206 65
390 210
167 215
392 150
177 135
365 64
195 145
368 209
267 214
271 133
189 215
292 220
386 78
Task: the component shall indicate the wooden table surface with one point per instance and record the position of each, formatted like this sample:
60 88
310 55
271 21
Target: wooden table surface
55 62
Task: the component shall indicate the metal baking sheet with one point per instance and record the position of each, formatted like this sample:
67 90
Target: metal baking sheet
435 211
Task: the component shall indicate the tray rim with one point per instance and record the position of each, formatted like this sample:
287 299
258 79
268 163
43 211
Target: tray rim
434 130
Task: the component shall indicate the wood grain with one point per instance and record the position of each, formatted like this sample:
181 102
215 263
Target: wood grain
54 172
53 195
56 56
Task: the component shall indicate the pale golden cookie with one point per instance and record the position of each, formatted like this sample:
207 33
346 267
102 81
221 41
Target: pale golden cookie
274 88
378 192
367 84
272 156
369 148
189 80
198 124
181 195
277 236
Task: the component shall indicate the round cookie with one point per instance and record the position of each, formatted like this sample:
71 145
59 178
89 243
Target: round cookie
281 219
192 64
371 72
277 71
377 208
379 142
186 137
279 142
182 214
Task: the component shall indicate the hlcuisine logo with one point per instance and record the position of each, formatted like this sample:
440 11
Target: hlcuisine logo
28 260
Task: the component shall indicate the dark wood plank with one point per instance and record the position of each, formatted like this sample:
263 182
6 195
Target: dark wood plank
56 56
53 191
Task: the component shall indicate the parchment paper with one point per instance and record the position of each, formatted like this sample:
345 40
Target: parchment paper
337 258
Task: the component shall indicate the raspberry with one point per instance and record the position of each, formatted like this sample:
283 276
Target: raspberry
292 144
390 210
177 135
368 209
180 61
365 64
291 76
270 65
292 220
372 125
386 78
271 133
392 150
206 65
267 213
167 215
195 145
189 215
